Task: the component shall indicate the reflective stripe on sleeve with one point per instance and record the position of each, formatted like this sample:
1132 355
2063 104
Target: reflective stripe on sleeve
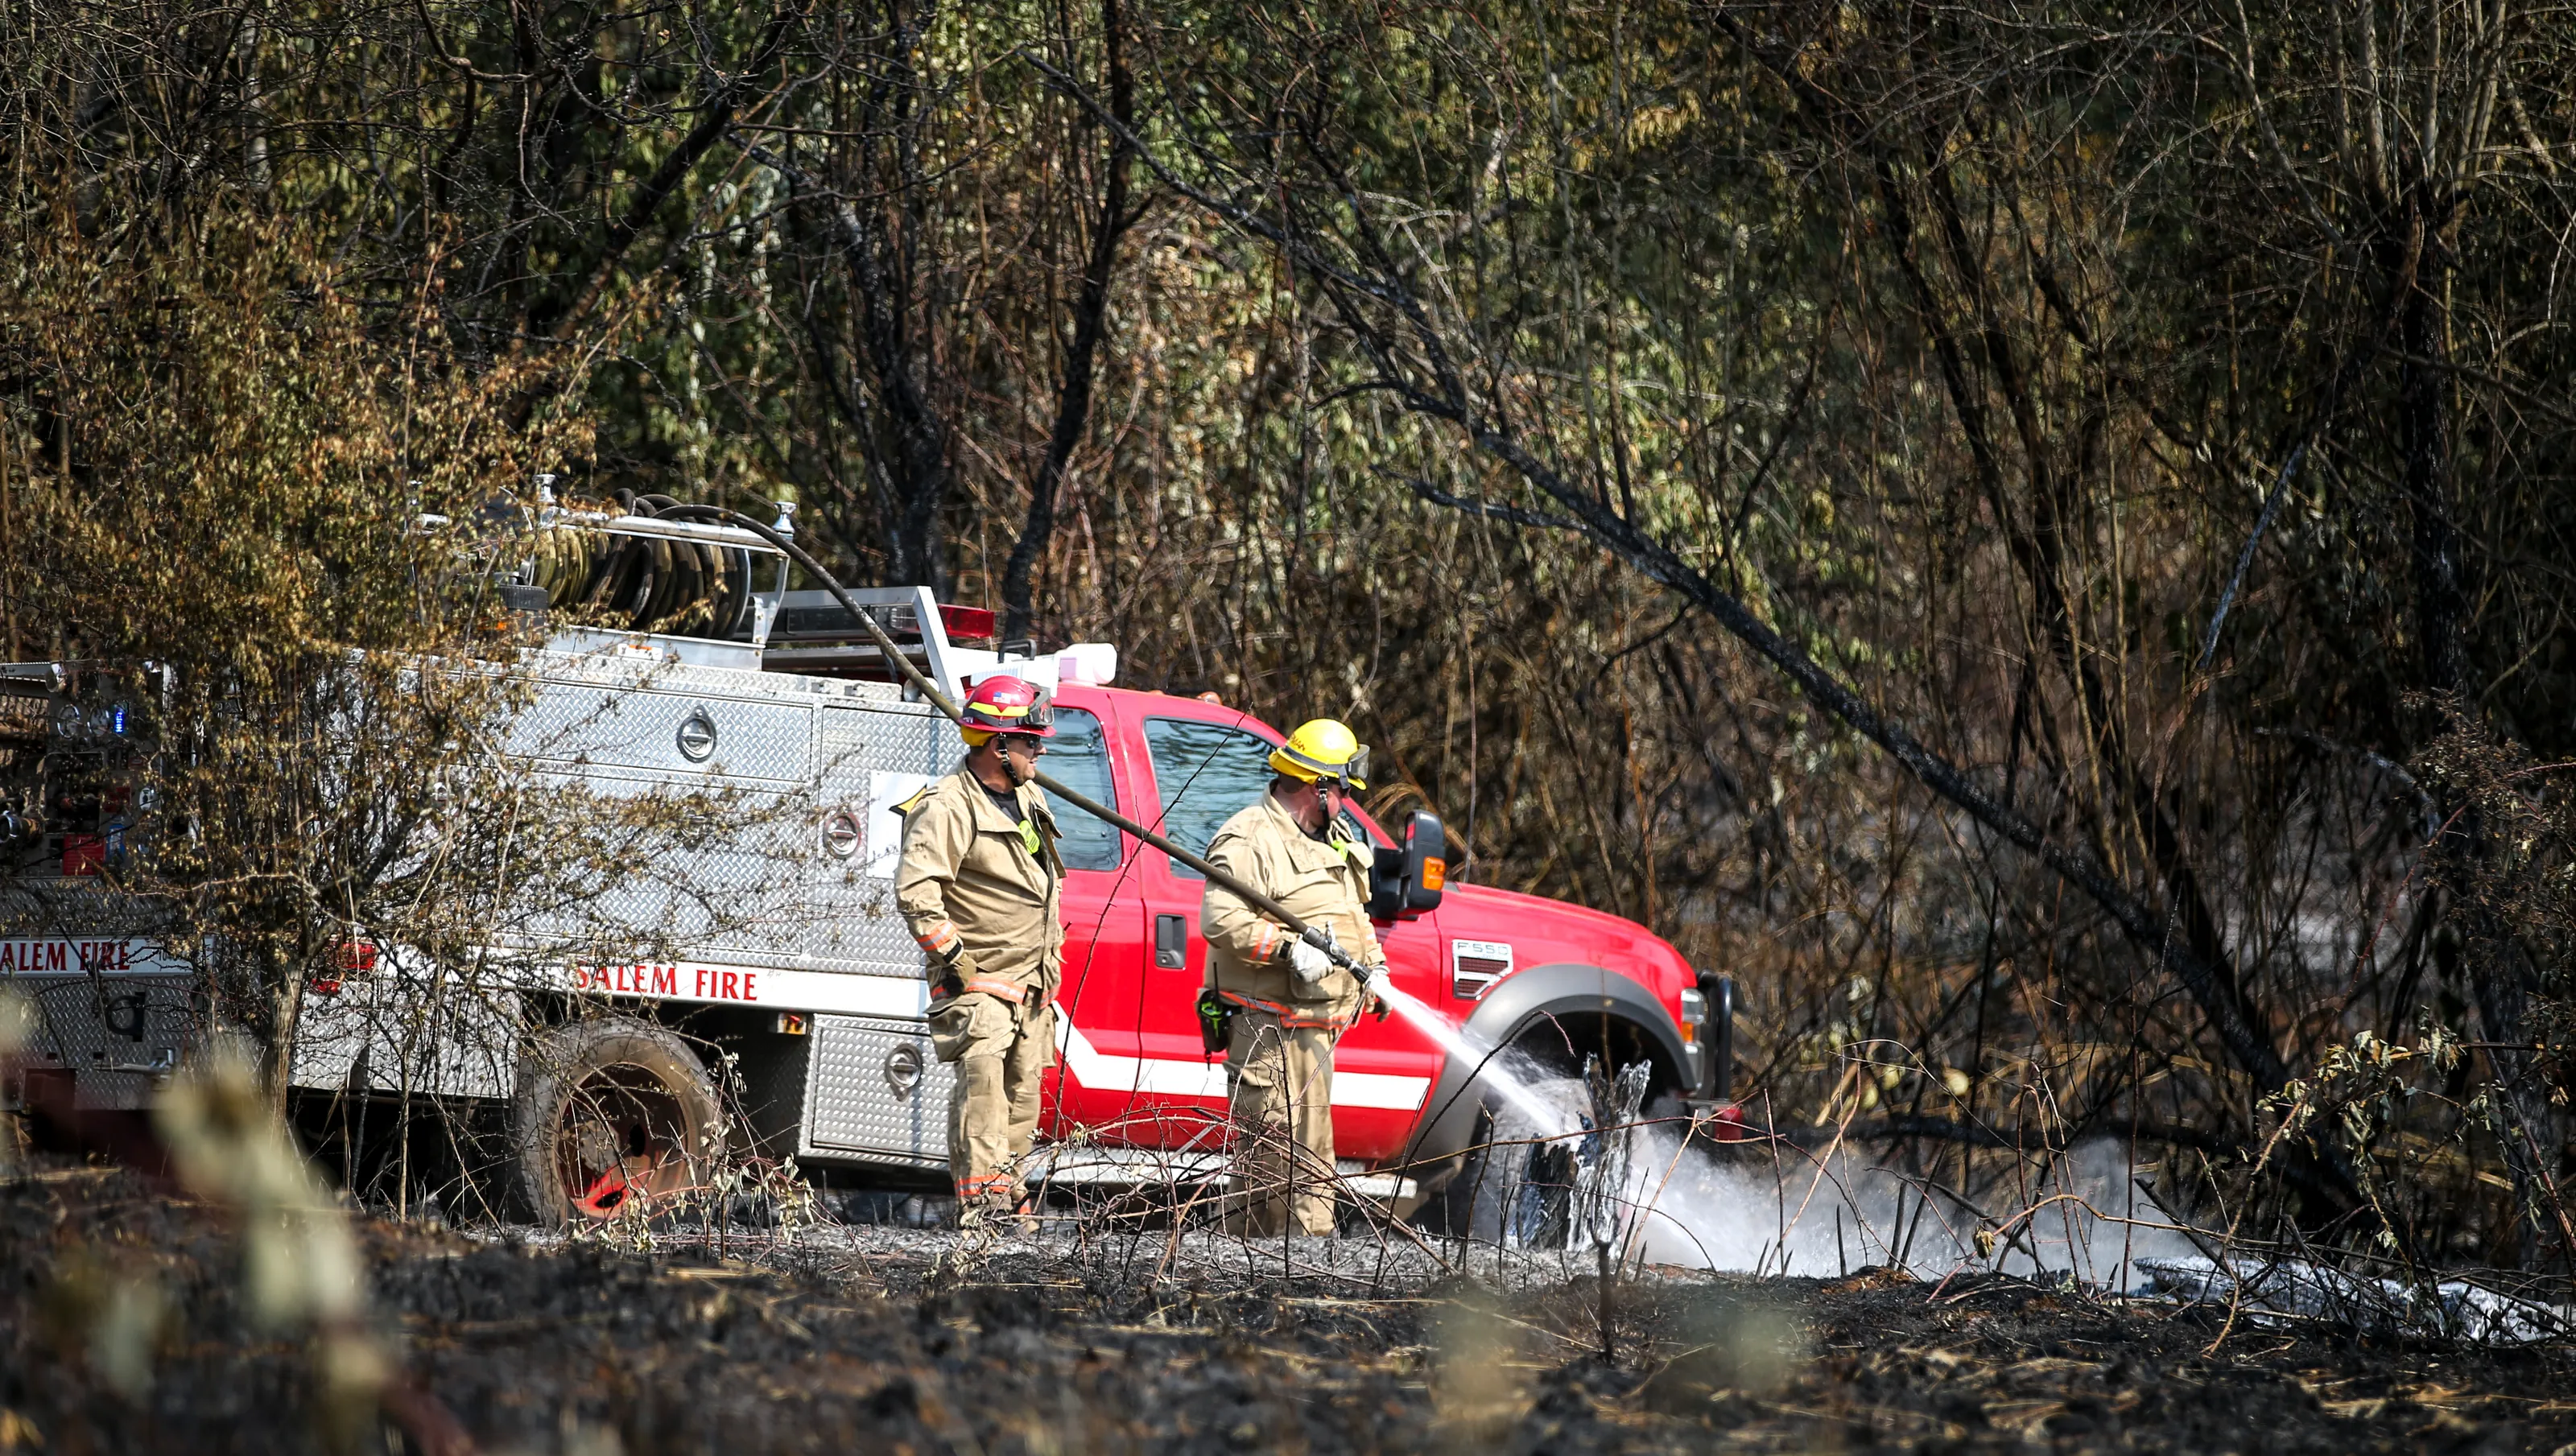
940 940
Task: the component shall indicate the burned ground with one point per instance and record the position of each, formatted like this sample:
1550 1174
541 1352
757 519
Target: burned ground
126 1332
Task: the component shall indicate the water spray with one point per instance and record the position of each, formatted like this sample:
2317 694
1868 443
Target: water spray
1481 1061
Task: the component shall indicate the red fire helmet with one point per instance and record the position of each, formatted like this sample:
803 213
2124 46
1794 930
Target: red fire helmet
1004 704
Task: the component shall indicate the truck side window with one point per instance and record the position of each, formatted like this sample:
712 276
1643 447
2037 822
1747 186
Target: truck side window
1207 772
1078 755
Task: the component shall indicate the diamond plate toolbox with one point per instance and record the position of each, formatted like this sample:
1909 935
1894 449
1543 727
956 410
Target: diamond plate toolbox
666 723
877 1092
115 1037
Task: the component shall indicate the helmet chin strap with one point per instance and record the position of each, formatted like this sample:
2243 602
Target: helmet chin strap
1311 801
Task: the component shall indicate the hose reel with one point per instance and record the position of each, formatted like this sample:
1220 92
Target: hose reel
597 575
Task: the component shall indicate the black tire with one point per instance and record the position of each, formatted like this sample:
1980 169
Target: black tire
1504 1192
608 1112
1507 1189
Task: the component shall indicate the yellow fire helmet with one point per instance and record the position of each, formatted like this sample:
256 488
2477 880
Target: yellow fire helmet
1323 748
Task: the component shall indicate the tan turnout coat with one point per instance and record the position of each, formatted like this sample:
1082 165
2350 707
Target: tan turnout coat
976 896
1322 882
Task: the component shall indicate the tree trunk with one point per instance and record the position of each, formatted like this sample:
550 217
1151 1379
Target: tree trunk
2498 967
1090 326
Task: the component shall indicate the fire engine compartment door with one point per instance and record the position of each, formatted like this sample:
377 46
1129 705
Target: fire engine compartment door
115 1037
666 725
872 756
406 1026
617 729
877 1092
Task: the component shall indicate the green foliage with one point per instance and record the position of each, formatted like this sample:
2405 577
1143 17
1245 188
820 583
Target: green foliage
1966 348
233 444
243 491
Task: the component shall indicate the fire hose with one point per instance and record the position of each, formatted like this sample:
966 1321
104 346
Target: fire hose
1313 935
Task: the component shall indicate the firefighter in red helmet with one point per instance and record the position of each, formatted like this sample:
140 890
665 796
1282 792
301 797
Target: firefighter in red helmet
980 888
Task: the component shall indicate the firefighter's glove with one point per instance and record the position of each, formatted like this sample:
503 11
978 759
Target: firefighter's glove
1308 965
948 982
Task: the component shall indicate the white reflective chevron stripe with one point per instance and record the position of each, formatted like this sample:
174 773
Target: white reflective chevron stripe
909 998
1159 1076
1180 1077
1379 1089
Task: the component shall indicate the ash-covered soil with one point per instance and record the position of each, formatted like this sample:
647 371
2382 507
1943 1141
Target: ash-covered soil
125 1331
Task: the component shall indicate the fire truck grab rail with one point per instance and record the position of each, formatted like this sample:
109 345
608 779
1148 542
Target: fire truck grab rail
1312 935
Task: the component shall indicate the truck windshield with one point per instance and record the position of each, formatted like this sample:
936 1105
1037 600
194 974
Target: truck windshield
1078 755
1207 772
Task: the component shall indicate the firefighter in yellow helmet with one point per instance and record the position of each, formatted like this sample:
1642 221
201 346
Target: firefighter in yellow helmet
979 889
1289 1002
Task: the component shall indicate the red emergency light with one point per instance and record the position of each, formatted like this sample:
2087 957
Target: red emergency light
356 958
86 854
966 624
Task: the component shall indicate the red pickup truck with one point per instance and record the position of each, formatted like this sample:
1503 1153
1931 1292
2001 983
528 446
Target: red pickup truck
1556 980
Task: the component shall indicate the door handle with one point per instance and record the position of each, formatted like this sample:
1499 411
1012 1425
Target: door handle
1171 942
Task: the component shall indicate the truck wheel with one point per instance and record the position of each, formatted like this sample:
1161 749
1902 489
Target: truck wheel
1508 1189
610 1114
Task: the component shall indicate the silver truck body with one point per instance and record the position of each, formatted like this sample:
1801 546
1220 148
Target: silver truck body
786 939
